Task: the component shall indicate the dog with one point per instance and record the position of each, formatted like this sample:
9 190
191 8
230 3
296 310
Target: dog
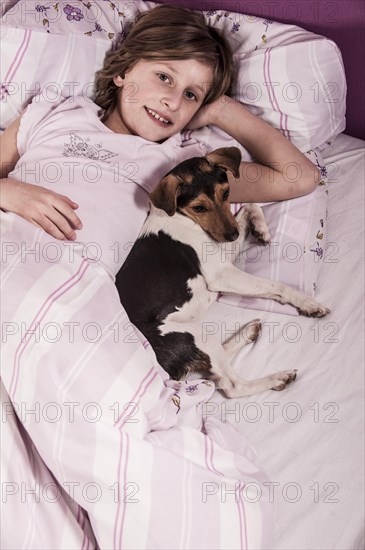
168 280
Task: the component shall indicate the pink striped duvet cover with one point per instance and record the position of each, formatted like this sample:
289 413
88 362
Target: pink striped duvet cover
100 449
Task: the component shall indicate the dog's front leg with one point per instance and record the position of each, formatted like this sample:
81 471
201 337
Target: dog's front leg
251 218
234 281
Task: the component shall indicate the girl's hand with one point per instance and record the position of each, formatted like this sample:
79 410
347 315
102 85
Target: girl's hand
42 207
209 114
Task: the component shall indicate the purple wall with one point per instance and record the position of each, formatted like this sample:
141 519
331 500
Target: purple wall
343 21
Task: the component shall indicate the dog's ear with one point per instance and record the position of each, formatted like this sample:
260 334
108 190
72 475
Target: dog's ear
164 196
228 158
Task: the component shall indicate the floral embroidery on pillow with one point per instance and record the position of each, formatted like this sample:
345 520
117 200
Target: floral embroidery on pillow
72 13
267 22
319 229
228 15
237 20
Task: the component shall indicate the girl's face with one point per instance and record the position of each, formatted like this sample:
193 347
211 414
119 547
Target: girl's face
158 98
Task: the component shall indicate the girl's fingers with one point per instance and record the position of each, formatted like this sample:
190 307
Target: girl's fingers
49 227
53 212
69 214
56 223
72 203
61 222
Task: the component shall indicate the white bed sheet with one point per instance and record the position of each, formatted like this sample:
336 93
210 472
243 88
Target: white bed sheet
310 437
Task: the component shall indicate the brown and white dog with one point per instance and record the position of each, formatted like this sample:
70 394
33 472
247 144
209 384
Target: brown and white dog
168 281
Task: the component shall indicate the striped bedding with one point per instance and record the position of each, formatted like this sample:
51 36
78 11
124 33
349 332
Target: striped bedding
100 450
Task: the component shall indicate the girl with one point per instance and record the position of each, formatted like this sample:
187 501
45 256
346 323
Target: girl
171 72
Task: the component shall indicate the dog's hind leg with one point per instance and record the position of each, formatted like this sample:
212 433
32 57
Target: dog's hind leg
246 334
219 369
232 385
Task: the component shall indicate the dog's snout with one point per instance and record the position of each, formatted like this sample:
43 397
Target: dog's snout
231 235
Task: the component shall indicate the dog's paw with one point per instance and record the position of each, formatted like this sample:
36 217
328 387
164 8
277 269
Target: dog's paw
311 308
261 234
282 379
252 331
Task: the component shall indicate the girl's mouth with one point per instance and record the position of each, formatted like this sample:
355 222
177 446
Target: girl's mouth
160 120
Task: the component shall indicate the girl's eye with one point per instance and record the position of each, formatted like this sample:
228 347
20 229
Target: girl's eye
226 195
200 208
163 77
191 95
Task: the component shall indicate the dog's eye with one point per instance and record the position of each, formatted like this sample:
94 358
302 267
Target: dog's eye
225 195
199 208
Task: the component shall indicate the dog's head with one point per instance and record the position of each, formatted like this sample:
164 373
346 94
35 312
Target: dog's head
199 189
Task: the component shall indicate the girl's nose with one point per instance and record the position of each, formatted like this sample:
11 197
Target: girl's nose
172 100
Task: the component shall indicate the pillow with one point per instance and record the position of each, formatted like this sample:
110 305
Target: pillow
292 78
48 65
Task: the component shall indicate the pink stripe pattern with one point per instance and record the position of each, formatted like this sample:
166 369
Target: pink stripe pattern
272 96
16 63
50 300
141 390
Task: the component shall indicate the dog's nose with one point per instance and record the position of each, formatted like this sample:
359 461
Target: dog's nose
231 235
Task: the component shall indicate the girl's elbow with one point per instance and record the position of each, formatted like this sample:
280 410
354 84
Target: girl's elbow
309 181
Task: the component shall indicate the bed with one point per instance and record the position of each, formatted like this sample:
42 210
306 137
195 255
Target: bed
100 449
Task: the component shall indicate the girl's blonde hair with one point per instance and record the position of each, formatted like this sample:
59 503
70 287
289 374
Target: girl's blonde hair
164 33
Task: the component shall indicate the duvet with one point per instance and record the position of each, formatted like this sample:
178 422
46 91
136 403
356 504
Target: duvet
100 448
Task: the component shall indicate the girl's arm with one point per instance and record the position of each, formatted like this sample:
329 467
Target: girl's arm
40 206
280 172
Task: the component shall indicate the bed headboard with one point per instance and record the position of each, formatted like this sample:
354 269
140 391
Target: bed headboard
341 21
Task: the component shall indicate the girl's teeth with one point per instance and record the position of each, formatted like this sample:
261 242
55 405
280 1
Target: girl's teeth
157 116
